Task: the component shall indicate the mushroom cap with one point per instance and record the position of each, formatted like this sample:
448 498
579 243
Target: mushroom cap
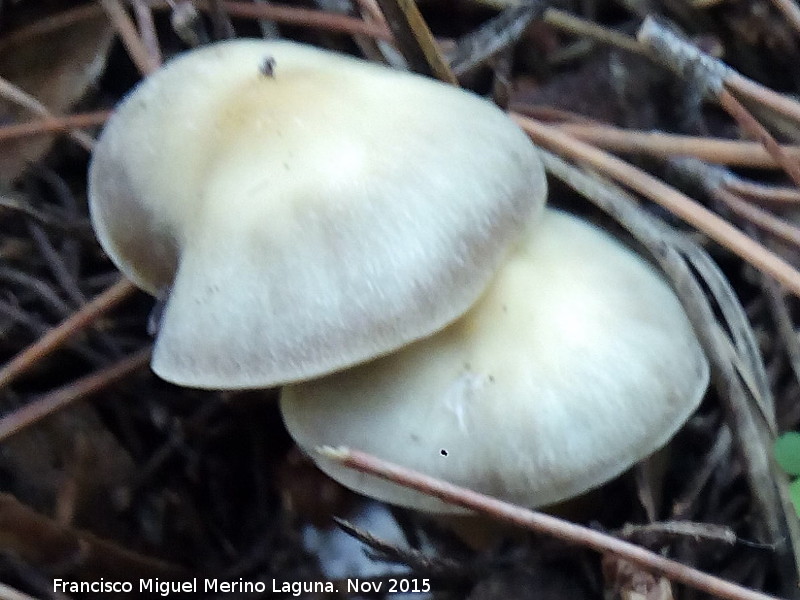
576 363
305 210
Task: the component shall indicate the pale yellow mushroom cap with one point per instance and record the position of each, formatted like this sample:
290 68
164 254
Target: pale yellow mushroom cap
307 210
578 362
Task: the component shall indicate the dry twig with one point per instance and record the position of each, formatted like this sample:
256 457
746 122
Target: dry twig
36 410
414 39
492 37
71 326
714 150
54 124
679 204
711 76
147 28
291 15
540 523
577 26
767 194
141 56
21 98
759 217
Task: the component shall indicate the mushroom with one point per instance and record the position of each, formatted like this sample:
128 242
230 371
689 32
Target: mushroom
577 362
304 210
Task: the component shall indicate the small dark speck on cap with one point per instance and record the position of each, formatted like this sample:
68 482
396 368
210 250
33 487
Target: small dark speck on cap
443 452
268 67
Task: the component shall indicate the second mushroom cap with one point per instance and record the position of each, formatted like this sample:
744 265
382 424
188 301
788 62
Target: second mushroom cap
577 362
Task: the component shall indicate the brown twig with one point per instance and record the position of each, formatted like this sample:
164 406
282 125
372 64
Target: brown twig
268 28
290 15
759 217
658 533
415 40
12 93
34 411
53 124
49 24
372 49
220 21
767 194
491 38
710 77
145 62
540 523
751 126
582 27
147 29
15 203
677 203
766 97
791 11
187 22
713 150
57 336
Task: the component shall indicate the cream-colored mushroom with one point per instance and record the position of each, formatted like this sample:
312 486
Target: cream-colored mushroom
577 362
305 210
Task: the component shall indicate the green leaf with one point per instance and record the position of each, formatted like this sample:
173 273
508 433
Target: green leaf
787 452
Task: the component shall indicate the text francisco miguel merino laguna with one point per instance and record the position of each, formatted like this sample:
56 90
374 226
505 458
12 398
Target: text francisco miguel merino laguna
195 585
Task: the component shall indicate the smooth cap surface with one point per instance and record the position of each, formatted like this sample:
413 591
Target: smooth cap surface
305 210
577 362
